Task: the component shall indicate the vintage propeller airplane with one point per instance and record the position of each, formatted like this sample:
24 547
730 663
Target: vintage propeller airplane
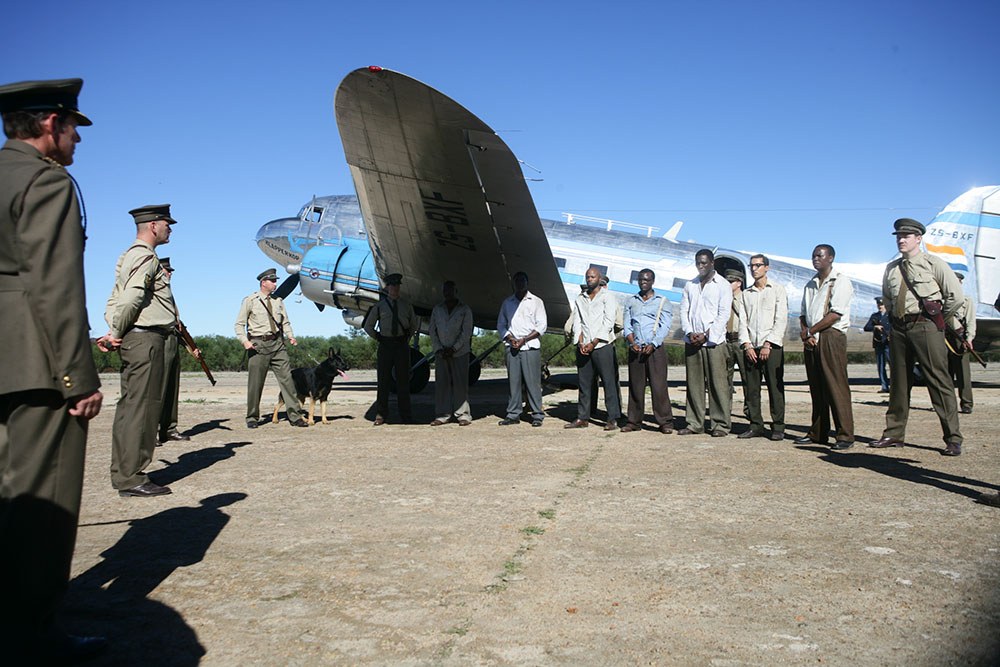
441 197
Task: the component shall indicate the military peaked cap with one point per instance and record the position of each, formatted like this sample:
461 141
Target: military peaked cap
394 279
908 226
733 274
151 213
50 95
269 274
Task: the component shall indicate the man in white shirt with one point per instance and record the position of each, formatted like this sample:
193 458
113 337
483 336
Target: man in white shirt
593 331
763 321
521 323
705 309
826 316
451 333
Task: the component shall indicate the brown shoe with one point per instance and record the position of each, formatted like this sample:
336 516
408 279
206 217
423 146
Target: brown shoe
146 490
630 427
577 423
953 449
886 442
611 426
439 422
379 420
666 430
687 431
719 433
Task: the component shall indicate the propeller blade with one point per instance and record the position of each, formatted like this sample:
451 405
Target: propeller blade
287 286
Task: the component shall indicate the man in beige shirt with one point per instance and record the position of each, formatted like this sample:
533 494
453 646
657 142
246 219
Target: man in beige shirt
262 326
451 335
763 321
141 314
920 302
594 315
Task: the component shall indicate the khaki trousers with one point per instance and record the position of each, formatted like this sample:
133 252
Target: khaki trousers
706 369
961 372
920 342
451 387
270 355
829 387
137 414
171 385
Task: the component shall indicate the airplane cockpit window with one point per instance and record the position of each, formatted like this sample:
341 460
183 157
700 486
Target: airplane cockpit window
311 213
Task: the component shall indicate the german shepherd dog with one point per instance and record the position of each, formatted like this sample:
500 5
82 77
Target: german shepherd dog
315 383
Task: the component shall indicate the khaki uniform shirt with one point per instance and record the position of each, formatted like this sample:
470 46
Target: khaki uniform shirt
930 276
764 315
832 295
42 297
254 320
381 314
594 319
141 296
967 312
452 329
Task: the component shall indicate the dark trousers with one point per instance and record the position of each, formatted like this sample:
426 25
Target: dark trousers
881 359
599 363
920 342
524 367
736 360
772 372
171 385
41 479
137 414
961 372
393 355
829 388
651 369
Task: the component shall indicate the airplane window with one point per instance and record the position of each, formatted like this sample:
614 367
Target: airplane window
560 262
603 270
634 278
679 283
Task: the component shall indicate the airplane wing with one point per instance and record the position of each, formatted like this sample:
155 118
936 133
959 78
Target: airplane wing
443 197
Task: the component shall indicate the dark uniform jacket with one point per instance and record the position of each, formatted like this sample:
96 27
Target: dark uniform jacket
46 333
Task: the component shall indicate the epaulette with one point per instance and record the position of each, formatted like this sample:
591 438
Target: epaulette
53 162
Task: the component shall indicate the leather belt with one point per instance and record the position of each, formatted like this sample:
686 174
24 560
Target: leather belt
163 331
909 319
265 337
733 337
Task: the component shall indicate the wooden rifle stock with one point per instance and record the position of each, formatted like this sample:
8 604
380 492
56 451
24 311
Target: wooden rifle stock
190 345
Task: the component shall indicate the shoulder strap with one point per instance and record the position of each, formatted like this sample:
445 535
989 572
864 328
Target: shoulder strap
656 325
275 327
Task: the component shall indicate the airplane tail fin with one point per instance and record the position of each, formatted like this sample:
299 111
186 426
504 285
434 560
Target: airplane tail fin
966 234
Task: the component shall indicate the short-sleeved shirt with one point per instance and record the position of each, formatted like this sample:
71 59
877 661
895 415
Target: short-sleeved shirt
256 312
381 314
831 295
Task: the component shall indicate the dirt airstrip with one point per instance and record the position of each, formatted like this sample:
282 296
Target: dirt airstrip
349 544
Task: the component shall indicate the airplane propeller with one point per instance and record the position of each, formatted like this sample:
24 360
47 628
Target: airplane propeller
287 286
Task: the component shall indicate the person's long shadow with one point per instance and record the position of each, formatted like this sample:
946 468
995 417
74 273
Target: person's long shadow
112 597
902 469
210 425
191 462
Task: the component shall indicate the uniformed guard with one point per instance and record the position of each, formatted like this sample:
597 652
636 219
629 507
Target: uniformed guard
141 314
171 375
262 325
921 293
391 322
48 384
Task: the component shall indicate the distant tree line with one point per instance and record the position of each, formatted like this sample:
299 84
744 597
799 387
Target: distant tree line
224 353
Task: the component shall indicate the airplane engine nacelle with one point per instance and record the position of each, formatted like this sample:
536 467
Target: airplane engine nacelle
340 275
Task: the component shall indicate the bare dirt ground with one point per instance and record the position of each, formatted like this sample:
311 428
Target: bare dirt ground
348 544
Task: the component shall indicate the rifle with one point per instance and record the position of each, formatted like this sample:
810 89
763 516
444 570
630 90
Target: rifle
189 343
958 343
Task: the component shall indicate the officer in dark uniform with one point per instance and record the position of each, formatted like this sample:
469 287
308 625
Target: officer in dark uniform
921 293
48 383
880 325
391 322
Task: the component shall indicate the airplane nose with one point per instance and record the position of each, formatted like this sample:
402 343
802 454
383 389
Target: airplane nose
279 240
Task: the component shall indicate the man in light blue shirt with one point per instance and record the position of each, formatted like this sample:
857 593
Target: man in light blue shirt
646 321
705 309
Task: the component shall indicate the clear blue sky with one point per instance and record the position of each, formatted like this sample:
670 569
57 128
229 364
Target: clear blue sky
763 125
